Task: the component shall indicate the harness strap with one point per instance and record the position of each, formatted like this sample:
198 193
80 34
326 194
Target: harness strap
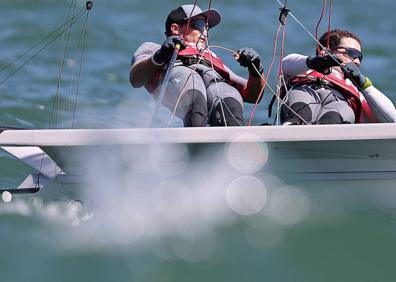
334 80
191 55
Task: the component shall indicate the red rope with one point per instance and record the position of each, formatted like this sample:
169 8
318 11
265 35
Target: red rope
329 23
318 24
209 8
189 18
268 74
280 72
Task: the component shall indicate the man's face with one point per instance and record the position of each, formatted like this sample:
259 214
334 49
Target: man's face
349 50
195 32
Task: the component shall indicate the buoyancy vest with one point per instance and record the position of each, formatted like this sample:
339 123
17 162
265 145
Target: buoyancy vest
207 56
348 90
191 55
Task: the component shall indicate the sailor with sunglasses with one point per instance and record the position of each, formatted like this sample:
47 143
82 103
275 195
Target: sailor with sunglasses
329 88
201 90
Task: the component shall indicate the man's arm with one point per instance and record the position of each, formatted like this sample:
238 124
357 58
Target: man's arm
251 89
150 59
248 88
142 72
381 105
294 64
143 68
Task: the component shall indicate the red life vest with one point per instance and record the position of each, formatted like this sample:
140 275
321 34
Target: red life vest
207 56
354 98
192 52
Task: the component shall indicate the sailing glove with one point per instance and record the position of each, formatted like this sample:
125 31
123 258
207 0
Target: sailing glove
322 64
352 72
248 57
164 54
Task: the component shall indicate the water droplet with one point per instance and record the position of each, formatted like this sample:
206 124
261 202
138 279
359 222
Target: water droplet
7 197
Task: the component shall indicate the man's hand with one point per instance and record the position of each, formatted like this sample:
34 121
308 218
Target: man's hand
322 64
164 54
248 57
352 72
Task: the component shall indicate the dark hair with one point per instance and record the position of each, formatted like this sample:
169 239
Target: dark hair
334 38
175 16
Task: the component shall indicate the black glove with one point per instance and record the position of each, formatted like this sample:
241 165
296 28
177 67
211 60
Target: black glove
164 54
322 64
248 57
352 72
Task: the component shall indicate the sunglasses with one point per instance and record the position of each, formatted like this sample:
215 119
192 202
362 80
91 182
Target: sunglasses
197 24
352 53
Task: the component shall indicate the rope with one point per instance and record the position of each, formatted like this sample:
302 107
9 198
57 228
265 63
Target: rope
318 24
62 63
85 29
62 30
89 5
268 75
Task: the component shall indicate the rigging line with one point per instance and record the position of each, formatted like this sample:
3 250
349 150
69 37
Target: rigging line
282 55
193 69
89 6
61 68
164 84
189 18
80 70
180 96
302 26
74 60
183 89
329 24
281 76
38 52
53 108
269 87
312 36
223 48
276 94
72 71
318 24
43 40
200 58
216 82
283 101
209 13
267 76
257 71
73 3
315 39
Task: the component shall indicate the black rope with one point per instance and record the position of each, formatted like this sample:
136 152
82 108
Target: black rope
284 12
84 36
56 104
73 21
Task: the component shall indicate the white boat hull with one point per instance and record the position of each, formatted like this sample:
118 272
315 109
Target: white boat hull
325 154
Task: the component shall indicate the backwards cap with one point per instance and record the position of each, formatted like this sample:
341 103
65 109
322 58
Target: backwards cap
184 12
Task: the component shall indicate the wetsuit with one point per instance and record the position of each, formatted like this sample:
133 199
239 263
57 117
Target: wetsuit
195 90
326 100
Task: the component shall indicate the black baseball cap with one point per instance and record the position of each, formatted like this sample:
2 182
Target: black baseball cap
184 12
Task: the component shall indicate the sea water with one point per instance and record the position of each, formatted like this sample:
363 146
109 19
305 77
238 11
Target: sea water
163 217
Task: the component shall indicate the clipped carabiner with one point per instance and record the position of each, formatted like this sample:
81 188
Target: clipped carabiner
88 5
284 12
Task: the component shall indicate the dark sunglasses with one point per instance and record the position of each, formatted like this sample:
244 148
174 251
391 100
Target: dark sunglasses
352 53
197 24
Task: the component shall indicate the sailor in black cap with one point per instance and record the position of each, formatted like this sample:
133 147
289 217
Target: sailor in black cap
201 90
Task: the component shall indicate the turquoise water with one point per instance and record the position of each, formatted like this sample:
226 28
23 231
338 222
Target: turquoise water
148 235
